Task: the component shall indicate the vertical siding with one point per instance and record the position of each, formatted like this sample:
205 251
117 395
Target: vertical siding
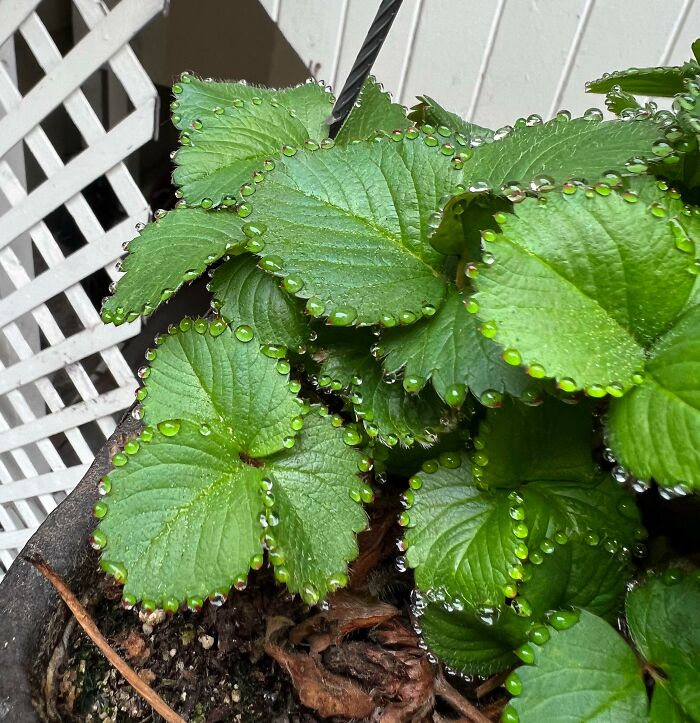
493 60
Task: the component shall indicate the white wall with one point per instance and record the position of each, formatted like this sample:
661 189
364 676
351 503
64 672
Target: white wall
493 60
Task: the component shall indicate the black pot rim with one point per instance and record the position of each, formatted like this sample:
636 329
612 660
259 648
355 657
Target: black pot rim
32 616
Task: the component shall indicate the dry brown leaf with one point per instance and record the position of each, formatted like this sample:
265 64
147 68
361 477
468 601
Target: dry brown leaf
319 689
348 612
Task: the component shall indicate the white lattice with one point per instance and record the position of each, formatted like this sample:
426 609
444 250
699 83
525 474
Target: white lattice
62 375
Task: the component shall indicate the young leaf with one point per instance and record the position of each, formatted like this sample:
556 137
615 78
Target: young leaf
585 672
655 429
664 82
373 112
568 292
549 442
190 500
249 297
617 101
449 350
664 619
184 242
219 156
201 377
430 112
351 223
197 99
386 410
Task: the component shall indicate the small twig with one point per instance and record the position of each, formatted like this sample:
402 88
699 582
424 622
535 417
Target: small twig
88 625
457 700
491 684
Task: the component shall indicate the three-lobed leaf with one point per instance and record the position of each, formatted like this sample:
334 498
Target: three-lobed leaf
234 461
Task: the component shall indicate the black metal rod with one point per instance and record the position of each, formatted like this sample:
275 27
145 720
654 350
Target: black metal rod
363 63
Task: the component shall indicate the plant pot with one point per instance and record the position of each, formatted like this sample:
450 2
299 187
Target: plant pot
32 616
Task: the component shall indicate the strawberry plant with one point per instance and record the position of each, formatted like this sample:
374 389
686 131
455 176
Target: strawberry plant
505 324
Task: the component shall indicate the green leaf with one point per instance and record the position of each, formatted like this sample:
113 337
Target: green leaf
352 224
549 442
222 153
449 350
664 82
664 619
316 486
463 219
481 642
189 502
200 377
250 297
196 99
375 112
183 515
471 643
655 429
386 410
558 151
467 541
592 576
568 293
172 250
618 101
582 673
664 709
430 112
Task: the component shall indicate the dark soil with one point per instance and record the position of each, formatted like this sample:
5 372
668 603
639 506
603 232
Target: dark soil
265 656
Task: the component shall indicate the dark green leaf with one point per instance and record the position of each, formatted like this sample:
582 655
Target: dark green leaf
656 81
252 298
549 442
664 619
173 250
386 410
449 350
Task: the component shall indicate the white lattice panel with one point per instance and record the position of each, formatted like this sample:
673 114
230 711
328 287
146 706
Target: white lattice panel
62 375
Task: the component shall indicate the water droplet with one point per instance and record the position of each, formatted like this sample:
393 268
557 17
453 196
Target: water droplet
342 316
169 427
563 619
98 540
455 394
